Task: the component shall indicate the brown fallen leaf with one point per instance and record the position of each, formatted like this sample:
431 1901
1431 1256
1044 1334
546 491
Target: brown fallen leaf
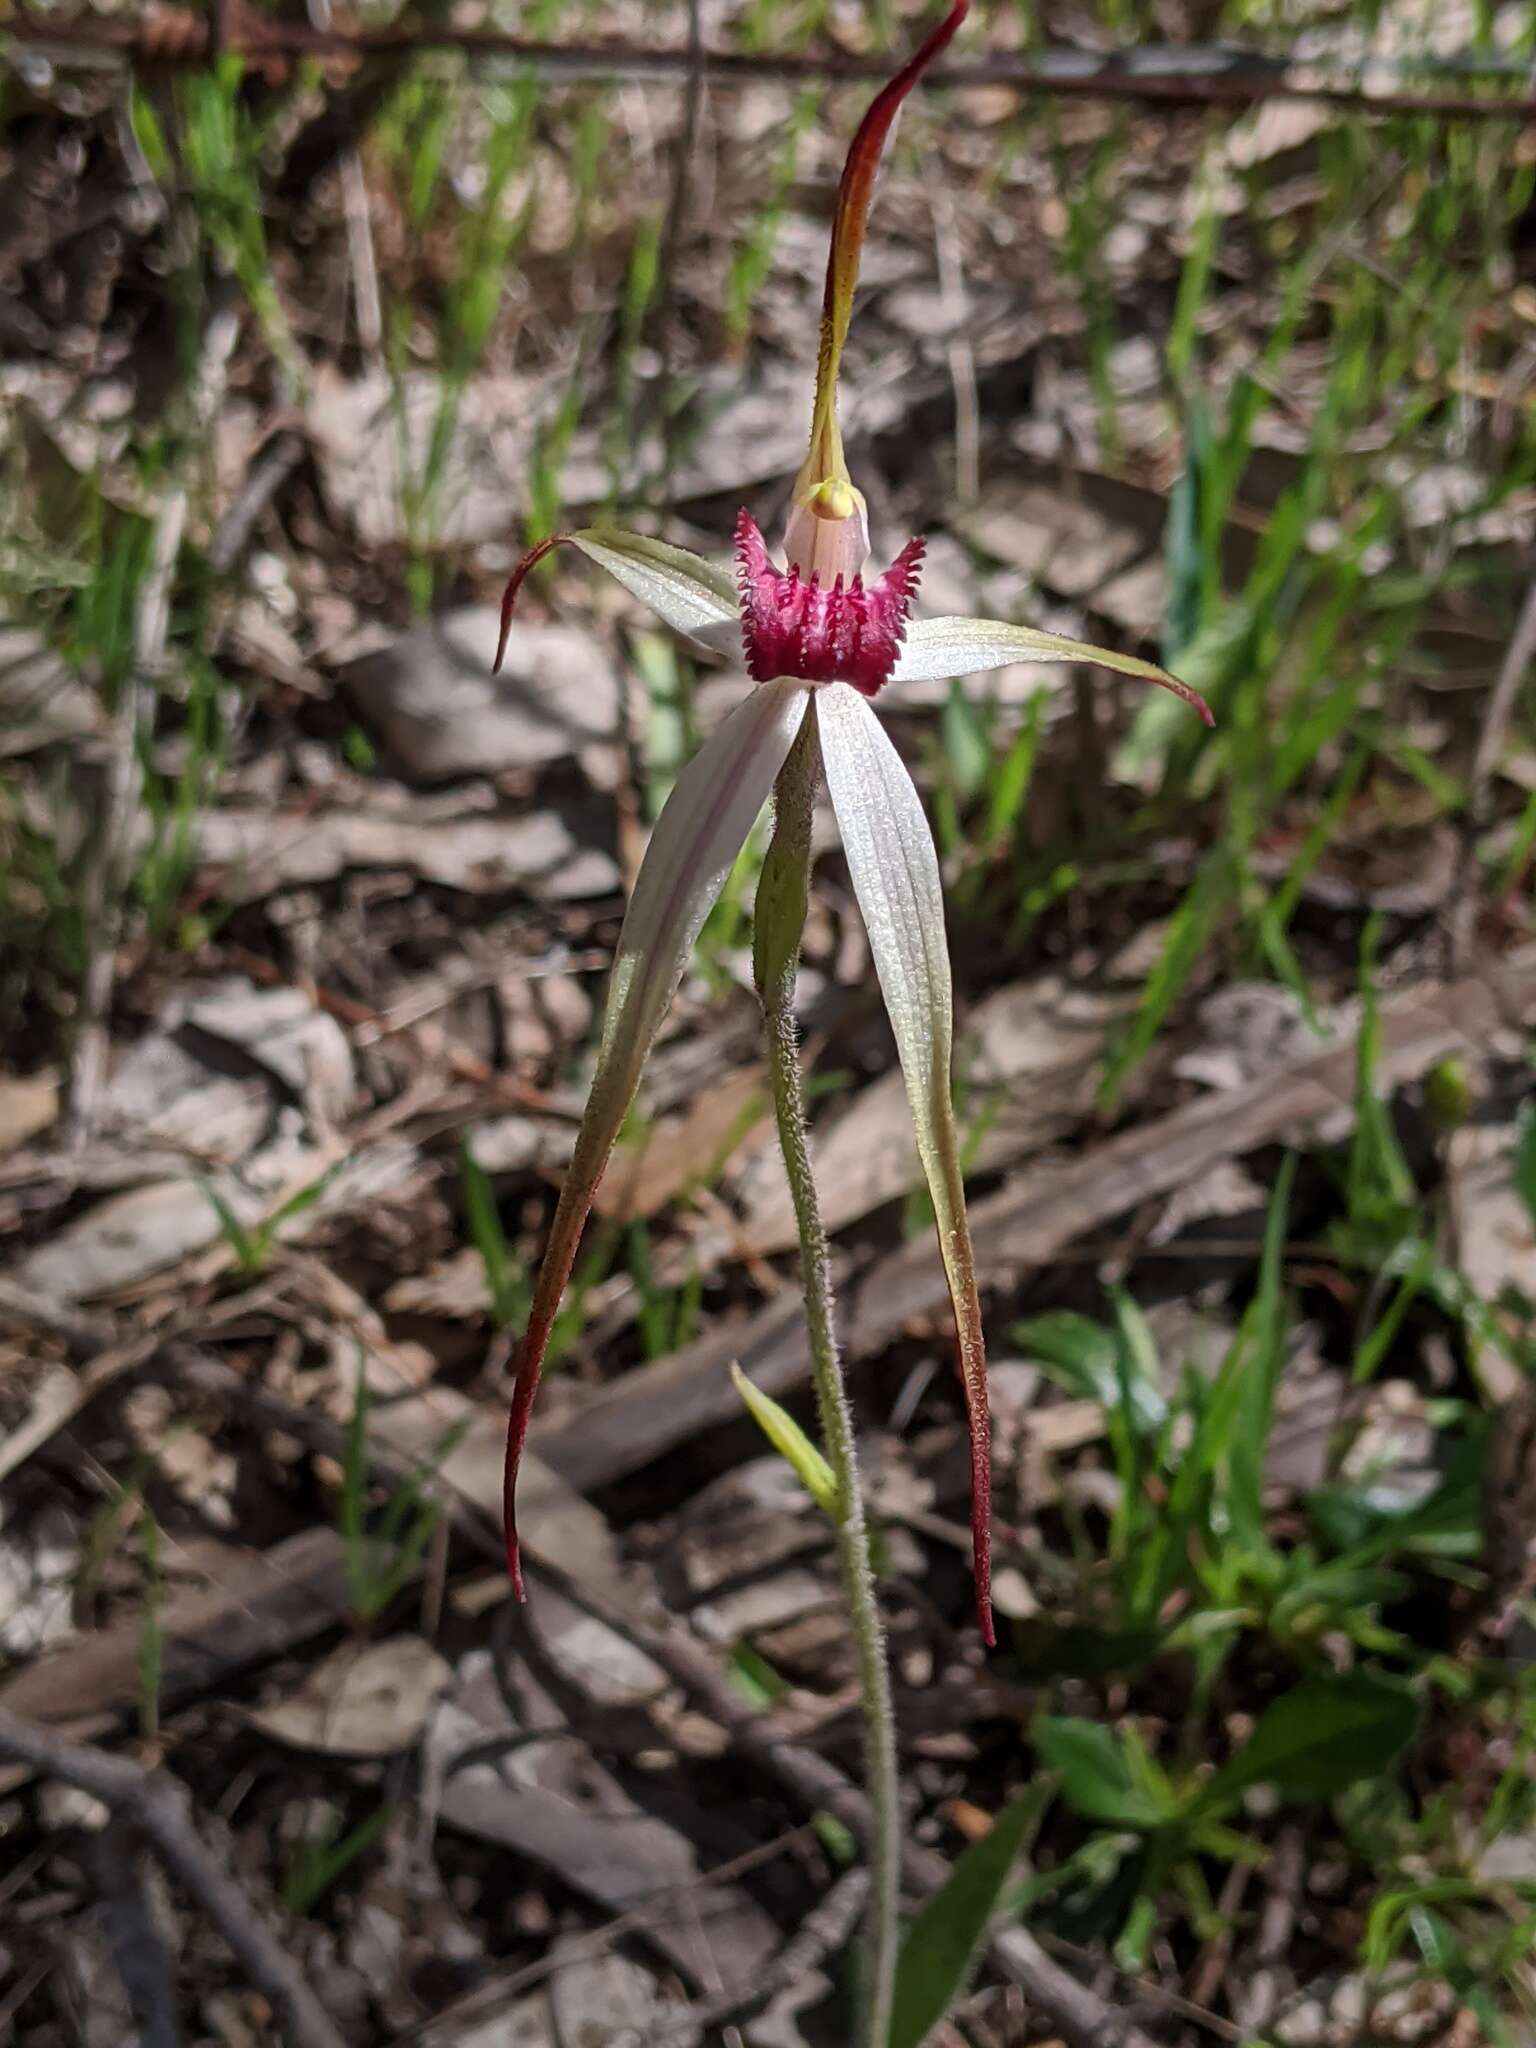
39 1397
243 1606
556 1524
430 696
369 435
363 1700
1054 534
553 1803
552 855
42 698
610 1998
129 1237
28 1104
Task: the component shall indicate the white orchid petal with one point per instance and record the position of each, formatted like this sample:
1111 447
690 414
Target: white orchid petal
686 592
934 649
703 826
895 873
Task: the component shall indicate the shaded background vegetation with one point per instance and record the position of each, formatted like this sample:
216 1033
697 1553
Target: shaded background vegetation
303 923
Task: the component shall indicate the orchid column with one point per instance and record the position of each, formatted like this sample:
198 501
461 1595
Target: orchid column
821 643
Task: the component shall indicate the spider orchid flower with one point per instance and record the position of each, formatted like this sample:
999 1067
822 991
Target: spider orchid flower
821 642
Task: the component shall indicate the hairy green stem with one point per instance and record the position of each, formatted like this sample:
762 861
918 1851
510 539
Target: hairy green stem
778 925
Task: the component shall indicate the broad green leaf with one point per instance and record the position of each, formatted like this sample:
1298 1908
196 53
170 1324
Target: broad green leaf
791 1443
712 808
934 649
941 1943
895 873
1095 1769
1319 1737
688 593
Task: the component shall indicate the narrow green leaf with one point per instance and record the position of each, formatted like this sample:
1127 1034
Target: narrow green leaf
1011 778
836 1839
298 1204
1380 1182
941 1944
484 1220
1200 910
966 742
241 1243
1137 1374
791 1443
1186 566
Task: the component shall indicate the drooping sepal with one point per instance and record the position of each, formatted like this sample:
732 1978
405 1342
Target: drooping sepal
703 826
848 631
895 874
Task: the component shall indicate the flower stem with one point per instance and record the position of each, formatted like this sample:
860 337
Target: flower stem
778 924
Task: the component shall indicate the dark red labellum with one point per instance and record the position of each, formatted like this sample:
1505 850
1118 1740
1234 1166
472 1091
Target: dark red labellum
791 626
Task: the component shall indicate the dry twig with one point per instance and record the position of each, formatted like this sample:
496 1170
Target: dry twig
270 471
1078 2013
136 1941
826 1929
159 1809
1196 77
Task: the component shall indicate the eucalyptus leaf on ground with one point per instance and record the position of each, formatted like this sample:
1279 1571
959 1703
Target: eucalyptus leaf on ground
364 1700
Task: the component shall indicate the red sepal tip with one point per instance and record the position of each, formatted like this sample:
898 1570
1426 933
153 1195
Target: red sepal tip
509 595
517 1432
981 1531
1190 697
